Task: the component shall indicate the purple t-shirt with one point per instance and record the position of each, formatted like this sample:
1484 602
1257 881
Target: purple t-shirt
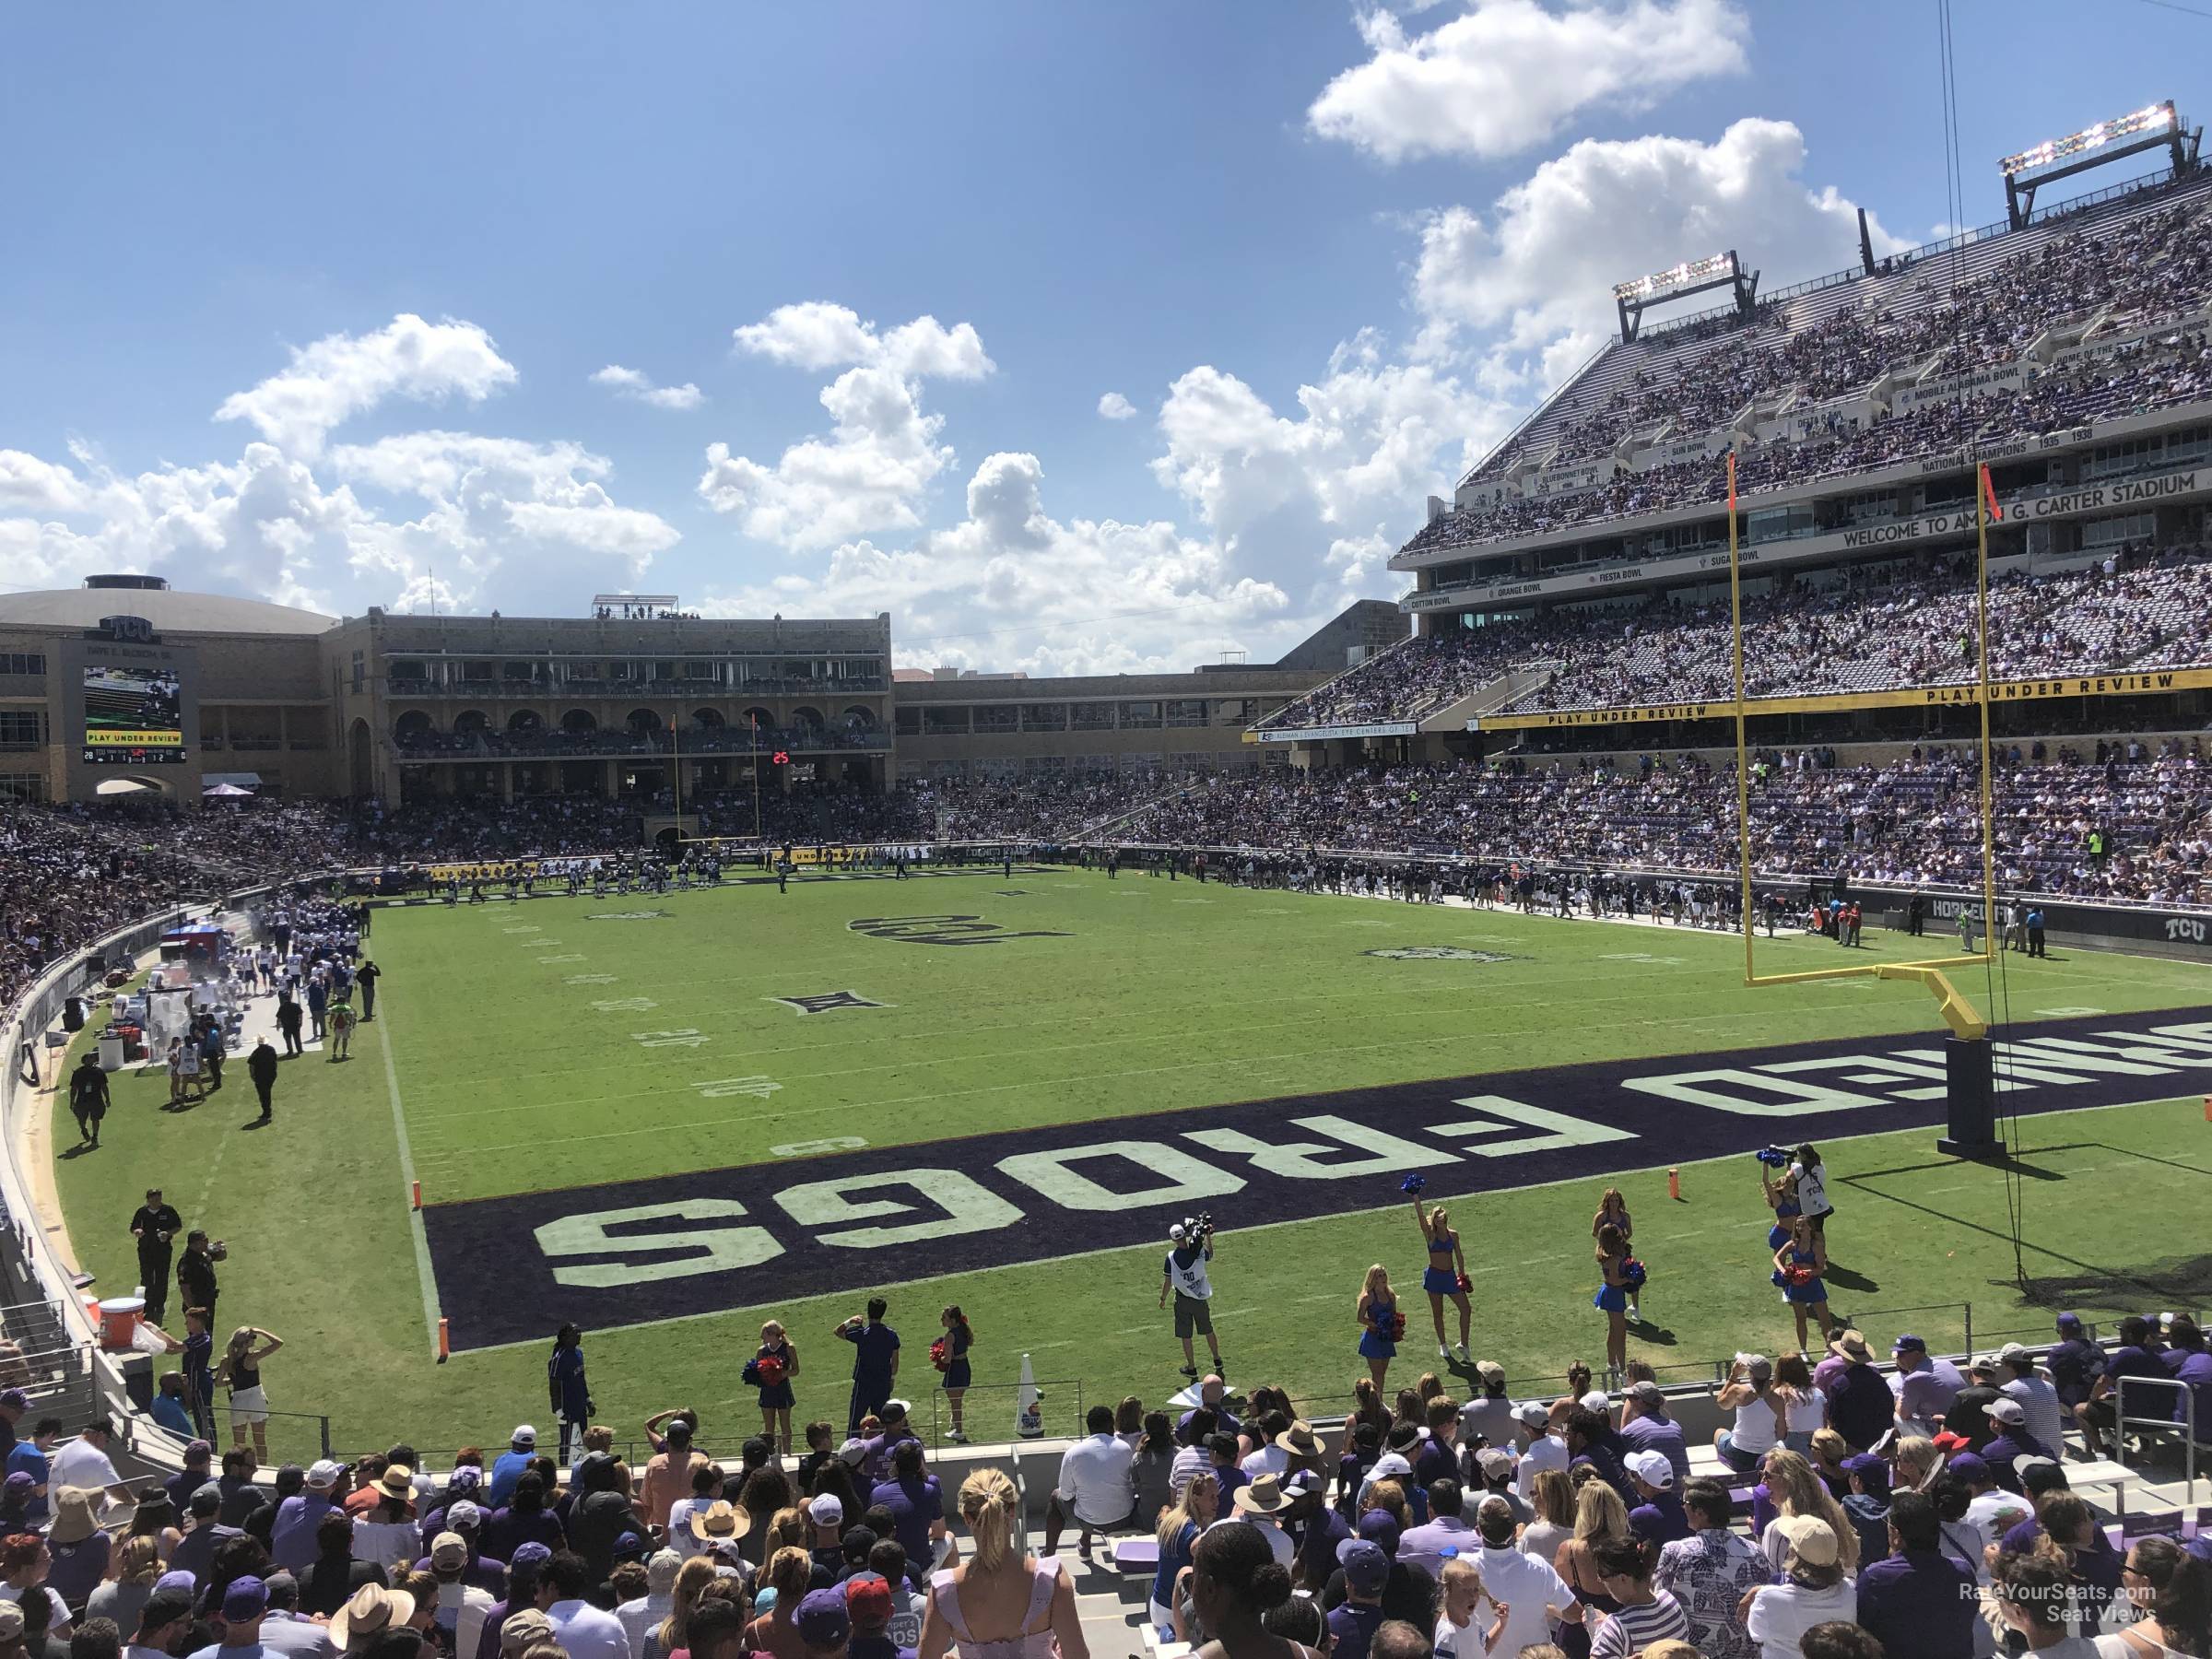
914 1504
2192 1366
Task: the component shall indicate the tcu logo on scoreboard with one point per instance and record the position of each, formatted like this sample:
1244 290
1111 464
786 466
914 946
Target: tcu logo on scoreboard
136 630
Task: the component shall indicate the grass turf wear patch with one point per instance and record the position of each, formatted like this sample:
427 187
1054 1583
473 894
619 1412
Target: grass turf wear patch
1438 953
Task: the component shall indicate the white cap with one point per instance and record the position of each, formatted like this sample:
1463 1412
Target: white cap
523 1435
1597 1400
1652 1469
1175 1229
826 1509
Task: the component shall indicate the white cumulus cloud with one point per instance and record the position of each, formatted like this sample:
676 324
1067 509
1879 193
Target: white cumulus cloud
1012 587
1115 406
817 335
343 375
1534 275
872 470
1505 74
636 385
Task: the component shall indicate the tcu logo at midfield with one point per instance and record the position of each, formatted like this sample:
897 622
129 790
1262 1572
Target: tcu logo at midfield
943 930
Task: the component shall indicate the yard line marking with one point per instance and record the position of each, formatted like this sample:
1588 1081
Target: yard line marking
406 1190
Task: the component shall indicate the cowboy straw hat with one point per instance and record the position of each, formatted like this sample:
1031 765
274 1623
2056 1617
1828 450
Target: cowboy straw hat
371 1611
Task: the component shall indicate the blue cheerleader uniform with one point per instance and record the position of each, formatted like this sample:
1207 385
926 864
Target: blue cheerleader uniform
1812 1290
1373 1344
1611 1298
1437 1279
957 1373
778 1396
1778 1234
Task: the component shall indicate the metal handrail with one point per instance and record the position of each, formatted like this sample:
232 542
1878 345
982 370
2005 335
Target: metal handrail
2186 1423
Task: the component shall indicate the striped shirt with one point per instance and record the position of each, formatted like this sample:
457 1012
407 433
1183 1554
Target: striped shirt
1633 1629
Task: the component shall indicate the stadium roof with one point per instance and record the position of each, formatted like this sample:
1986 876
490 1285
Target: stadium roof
168 610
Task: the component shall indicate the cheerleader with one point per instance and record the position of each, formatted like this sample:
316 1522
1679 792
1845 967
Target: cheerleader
771 1370
1445 1276
1781 1198
1798 1265
1381 1325
1613 1210
949 1355
1612 1298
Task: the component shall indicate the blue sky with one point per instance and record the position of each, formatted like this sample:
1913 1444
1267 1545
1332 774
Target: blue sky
308 303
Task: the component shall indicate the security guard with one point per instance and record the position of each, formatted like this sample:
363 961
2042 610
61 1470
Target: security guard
153 1225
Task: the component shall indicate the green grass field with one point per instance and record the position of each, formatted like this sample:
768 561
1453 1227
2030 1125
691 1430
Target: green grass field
508 1042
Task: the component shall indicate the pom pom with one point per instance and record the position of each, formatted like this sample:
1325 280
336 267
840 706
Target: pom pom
940 1353
1414 1185
1467 1285
1631 1272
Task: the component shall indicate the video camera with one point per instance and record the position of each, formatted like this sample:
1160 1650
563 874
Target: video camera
1198 1228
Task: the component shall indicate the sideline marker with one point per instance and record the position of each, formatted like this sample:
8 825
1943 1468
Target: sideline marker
2209 1109
418 1194
1674 1177
445 1346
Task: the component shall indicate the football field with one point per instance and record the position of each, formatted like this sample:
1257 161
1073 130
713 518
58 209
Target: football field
670 1116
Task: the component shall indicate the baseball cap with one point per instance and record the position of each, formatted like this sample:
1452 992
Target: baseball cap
523 1435
532 1554
197 1451
466 1479
206 1500
2013 1350
1652 1469
11 1621
177 1580
1366 1568
1489 1371
2020 1466
824 1620
323 1474
826 1509
1969 1467
1534 1414
1597 1399
464 1513
661 1569
22 1480
2069 1322
1175 1229
1495 1464
449 1549
1947 1441
523 1627
1381 1528
15 1399
246 1598
1909 1344
1758 1365
1982 1362
1873 1470
2006 1410
869 1599
1647 1393
1812 1540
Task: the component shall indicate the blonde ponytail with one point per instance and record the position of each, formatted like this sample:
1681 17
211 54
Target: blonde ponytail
990 1506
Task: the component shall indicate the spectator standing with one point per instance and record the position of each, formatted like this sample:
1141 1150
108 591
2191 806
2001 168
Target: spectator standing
584 1630
1710 1571
1925 1387
511 1464
1860 1405
1006 1602
293 1539
2038 1398
1916 1599
1645 1615
1813 1590
1529 1590
195 1276
1354 1621
240 1373
669 1470
1646 1427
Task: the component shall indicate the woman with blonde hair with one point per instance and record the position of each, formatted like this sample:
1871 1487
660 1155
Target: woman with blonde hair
1827 1454
1600 1517
790 1529
1551 1495
1001 1603
1389 1495
790 1573
1179 1530
1918 1463
1376 1314
675 1631
1794 1490
774 1363
239 1371
137 1565
1445 1276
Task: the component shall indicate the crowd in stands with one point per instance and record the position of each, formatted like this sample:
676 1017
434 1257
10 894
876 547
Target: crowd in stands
1870 628
1846 1512
2150 268
2067 826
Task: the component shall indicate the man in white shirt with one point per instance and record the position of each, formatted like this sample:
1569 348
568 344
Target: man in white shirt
2046 1417
83 1462
1527 1587
1262 1503
641 1615
461 1605
586 1631
1094 1484
1543 1450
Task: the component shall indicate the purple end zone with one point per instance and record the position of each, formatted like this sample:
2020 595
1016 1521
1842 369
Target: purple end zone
631 1252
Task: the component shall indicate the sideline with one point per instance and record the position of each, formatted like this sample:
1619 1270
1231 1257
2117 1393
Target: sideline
406 1182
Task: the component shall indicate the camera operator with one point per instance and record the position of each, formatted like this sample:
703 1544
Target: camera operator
1191 1248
